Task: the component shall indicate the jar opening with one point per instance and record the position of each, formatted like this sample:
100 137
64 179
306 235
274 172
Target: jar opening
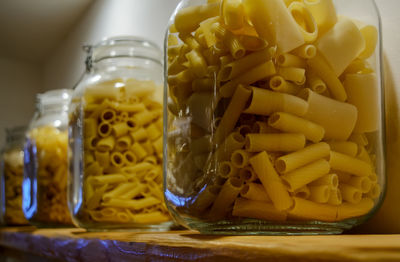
123 47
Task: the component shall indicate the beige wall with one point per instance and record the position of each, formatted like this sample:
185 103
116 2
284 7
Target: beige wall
106 18
20 81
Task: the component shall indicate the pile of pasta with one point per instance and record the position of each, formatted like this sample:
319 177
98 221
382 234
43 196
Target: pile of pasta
274 111
51 163
123 181
13 174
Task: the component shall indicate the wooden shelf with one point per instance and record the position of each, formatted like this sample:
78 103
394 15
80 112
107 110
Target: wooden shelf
79 245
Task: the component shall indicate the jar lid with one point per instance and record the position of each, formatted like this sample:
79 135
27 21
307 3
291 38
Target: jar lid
123 46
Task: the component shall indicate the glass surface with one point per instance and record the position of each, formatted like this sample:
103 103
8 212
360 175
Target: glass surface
45 162
11 174
116 138
274 114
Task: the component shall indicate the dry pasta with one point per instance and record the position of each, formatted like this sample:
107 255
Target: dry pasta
13 165
271 106
123 179
52 171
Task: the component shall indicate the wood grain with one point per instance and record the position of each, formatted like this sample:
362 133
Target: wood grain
79 245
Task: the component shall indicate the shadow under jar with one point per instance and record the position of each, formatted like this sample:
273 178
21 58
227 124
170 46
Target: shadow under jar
44 186
116 138
275 119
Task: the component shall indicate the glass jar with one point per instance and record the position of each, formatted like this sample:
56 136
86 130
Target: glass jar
274 116
46 162
11 175
116 138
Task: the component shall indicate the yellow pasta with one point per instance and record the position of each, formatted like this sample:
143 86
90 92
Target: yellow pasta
257 209
273 22
323 12
232 142
226 169
294 74
370 35
293 124
106 144
187 20
306 174
247 174
255 191
121 178
331 180
335 197
271 181
270 106
363 92
348 210
285 142
265 102
242 65
311 153
289 60
305 21
232 13
344 147
319 193
348 164
305 51
341 45
330 114
308 210
229 191
232 113
256 73
240 158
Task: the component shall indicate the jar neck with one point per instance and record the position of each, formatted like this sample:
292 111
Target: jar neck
44 109
123 62
14 136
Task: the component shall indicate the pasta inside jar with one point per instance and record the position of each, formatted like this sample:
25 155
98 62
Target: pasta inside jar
274 117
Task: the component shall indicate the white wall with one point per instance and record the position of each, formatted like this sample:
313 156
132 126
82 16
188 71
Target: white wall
106 18
20 81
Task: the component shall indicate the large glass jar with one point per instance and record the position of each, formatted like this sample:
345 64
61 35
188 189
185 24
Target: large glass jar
274 115
116 138
46 162
11 175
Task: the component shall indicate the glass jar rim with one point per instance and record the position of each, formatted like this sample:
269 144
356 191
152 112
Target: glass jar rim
124 46
15 133
54 99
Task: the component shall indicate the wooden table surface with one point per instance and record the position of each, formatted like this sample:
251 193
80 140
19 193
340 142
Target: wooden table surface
79 245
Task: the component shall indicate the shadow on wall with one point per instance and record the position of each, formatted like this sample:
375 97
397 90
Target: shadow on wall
387 219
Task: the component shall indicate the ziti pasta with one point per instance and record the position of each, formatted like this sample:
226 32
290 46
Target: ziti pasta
122 183
273 114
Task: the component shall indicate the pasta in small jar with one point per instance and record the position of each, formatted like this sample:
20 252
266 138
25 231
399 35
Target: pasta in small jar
11 175
274 116
45 182
116 124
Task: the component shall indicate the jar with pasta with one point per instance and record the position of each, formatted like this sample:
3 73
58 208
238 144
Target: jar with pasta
46 162
116 124
274 115
11 175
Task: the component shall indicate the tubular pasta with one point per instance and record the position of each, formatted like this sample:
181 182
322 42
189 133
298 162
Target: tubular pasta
257 209
271 181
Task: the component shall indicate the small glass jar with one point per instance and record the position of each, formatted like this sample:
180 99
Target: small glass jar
116 138
275 119
46 162
11 175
